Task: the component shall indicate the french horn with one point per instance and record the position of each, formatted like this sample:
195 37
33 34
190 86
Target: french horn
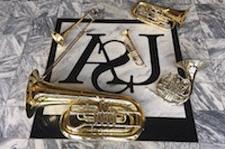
175 88
90 115
163 17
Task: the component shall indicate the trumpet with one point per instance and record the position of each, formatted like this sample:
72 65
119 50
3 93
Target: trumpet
133 53
60 37
161 16
90 115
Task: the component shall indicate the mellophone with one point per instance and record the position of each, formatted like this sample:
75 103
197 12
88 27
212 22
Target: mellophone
99 115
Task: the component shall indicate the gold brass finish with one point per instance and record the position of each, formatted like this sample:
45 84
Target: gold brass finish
60 37
160 16
90 115
67 49
133 53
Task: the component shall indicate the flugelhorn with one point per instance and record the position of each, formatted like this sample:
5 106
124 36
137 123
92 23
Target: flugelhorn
191 67
161 16
90 115
60 37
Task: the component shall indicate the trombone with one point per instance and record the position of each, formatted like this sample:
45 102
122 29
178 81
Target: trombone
59 38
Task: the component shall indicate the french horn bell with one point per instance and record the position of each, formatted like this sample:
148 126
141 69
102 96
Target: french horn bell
90 115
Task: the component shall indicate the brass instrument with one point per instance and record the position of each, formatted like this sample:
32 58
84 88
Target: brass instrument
161 16
60 37
191 67
174 88
133 53
67 49
90 115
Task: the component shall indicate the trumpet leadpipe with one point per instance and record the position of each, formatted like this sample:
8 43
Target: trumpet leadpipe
67 49
59 38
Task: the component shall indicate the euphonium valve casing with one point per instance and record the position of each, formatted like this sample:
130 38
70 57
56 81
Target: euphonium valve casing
160 16
90 115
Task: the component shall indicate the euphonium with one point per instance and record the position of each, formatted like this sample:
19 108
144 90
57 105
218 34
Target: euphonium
90 115
157 15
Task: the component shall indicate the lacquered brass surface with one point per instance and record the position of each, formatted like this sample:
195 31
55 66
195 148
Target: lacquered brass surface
91 115
132 51
163 17
60 37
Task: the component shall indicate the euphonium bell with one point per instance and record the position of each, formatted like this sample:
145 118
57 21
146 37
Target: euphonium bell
160 16
90 115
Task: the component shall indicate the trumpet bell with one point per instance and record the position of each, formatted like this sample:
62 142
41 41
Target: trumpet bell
160 16
103 119
30 104
58 38
91 115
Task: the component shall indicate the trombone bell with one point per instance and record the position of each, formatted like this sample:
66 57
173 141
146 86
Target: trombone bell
58 38
90 115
